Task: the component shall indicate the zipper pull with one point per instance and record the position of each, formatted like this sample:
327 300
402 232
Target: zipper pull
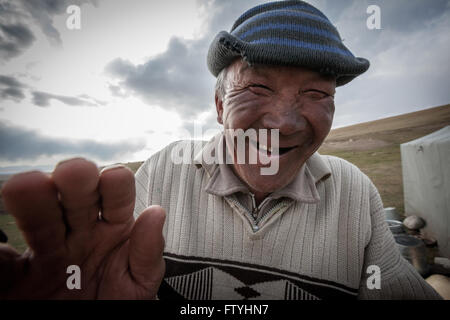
255 213
254 208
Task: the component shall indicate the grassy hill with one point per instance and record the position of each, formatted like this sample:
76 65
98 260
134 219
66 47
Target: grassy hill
373 146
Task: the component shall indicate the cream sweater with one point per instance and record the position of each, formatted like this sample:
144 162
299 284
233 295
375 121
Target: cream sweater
316 247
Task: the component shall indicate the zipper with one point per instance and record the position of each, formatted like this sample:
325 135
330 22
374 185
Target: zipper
255 210
253 215
275 208
249 214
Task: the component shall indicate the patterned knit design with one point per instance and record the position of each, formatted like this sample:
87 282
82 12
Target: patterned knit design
286 33
305 250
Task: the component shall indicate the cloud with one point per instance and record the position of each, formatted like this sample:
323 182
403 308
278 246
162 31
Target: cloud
399 18
43 12
411 15
18 143
118 91
15 32
203 127
174 80
399 15
409 58
19 18
14 39
11 89
178 78
42 99
407 54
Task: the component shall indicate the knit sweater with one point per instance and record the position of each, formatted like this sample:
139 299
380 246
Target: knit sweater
318 246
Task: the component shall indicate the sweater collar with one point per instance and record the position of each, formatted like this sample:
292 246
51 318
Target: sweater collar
224 182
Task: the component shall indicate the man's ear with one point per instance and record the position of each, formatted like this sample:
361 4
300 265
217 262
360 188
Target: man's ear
219 108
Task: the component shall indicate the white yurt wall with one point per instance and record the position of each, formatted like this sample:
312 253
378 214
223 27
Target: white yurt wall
426 184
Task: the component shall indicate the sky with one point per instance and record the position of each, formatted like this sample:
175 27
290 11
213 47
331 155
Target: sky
133 77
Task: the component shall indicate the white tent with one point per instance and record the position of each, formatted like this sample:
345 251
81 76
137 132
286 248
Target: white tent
426 184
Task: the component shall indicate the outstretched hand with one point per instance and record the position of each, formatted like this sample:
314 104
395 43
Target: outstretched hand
78 216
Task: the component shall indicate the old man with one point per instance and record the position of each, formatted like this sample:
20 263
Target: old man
311 229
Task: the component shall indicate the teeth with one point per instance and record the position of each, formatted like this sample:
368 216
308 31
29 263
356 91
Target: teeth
264 147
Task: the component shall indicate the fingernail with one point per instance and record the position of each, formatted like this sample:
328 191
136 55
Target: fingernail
67 160
112 167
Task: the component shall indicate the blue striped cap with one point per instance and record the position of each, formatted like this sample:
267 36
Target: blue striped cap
286 33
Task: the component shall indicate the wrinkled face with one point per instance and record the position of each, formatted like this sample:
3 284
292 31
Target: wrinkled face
297 101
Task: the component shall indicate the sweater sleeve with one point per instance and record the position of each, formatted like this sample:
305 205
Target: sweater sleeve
149 192
141 179
398 278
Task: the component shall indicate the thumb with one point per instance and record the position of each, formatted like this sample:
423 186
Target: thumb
146 248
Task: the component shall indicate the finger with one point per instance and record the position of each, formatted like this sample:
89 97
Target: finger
117 190
146 248
32 199
77 183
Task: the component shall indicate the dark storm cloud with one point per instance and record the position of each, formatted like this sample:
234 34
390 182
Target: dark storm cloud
19 143
14 39
43 12
19 18
18 31
15 33
10 81
11 89
175 79
43 99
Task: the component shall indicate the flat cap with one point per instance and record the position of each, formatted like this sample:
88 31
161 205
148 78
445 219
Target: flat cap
292 33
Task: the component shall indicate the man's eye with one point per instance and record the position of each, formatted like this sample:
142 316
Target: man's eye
315 94
259 89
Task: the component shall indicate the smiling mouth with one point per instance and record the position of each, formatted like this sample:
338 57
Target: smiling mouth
268 150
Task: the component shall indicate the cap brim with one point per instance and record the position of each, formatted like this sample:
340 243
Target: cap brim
225 48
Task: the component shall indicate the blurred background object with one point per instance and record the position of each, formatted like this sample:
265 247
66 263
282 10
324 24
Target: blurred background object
441 284
3 237
391 213
414 250
426 184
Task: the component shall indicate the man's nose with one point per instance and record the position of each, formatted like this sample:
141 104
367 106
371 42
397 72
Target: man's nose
287 118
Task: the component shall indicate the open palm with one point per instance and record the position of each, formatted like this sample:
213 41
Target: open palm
78 216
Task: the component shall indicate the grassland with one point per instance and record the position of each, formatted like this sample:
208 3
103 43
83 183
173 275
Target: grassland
372 146
375 147
8 226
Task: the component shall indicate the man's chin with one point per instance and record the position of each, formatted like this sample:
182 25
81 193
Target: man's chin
267 184
251 175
